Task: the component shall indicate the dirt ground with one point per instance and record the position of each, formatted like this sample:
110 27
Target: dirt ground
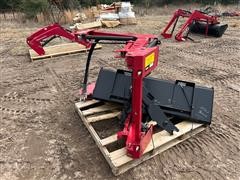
42 137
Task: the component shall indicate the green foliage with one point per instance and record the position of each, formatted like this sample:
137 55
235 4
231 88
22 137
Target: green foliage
106 1
9 4
94 2
3 4
65 4
32 7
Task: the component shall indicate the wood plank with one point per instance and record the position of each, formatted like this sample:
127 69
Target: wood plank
103 117
95 136
120 157
118 160
110 24
86 103
109 140
119 170
128 21
91 25
105 107
60 49
157 151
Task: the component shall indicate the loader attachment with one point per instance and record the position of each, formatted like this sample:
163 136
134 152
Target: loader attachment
179 99
215 30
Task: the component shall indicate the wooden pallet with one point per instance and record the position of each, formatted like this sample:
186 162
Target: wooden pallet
91 25
60 50
91 112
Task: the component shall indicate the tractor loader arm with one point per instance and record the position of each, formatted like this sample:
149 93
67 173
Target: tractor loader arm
173 22
193 19
40 38
196 16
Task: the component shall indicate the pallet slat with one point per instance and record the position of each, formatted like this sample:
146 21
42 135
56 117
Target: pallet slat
86 103
94 135
159 139
118 159
149 155
109 140
103 117
98 109
59 50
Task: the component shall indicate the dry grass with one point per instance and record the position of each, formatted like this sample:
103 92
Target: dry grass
67 16
61 17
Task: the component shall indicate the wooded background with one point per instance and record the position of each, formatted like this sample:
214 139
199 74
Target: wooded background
32 7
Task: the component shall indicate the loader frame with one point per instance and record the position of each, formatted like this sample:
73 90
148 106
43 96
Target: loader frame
195 16
140 52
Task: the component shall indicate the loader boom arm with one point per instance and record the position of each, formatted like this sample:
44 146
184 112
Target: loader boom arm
36 40
192 16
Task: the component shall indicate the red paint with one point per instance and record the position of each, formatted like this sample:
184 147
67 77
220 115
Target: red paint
90 89
135 54
34 41
192 16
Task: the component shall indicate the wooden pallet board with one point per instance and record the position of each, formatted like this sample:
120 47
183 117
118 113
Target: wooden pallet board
60 50
91 25
118 159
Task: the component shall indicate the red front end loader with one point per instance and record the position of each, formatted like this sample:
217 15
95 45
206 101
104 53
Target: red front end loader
144 99
197 22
